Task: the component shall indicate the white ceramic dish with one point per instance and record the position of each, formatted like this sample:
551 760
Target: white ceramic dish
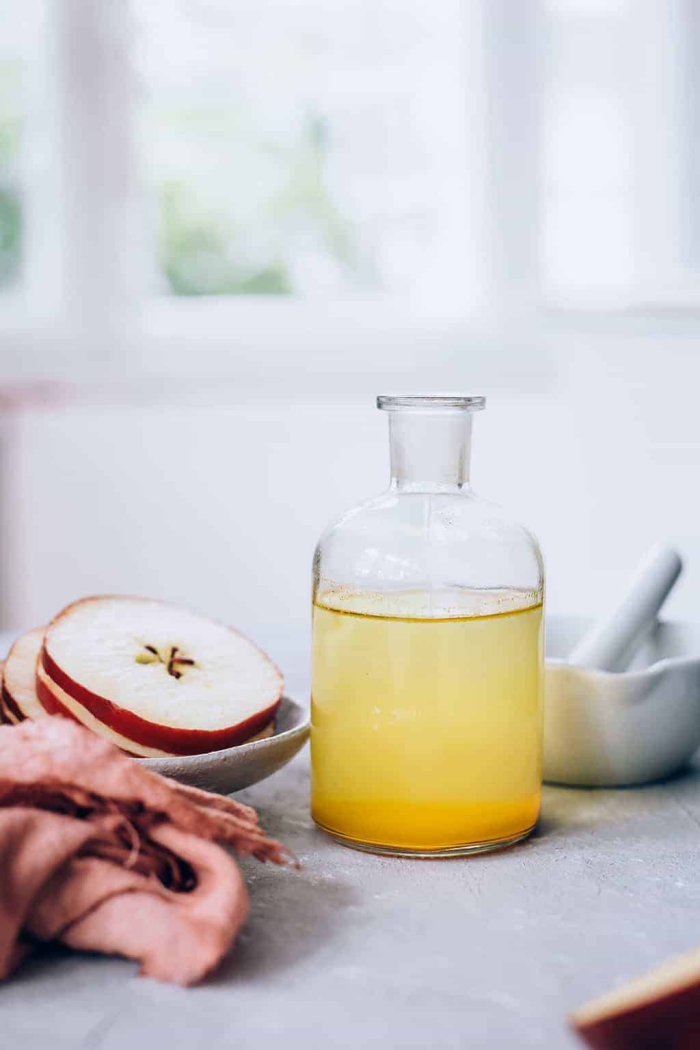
613 729
235 768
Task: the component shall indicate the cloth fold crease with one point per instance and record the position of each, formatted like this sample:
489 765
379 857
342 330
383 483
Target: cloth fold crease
103 855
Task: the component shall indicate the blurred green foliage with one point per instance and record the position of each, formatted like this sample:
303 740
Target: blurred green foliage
197 257
10 236
11 215
210 246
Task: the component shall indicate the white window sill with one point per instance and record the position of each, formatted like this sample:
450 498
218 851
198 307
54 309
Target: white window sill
289 349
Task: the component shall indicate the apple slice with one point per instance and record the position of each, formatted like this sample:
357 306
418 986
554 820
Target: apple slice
24 696
160 675
19 697
55 701
4 716
10 713
659 1009
27 692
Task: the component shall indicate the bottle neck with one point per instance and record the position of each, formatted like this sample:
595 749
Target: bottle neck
430 450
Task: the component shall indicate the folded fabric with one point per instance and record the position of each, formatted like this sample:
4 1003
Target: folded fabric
100 854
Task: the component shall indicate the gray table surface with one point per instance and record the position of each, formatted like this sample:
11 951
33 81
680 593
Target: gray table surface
362 951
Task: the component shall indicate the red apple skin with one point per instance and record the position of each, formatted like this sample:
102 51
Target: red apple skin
671 1022
151 734
51 705
18 691
172 739
6 718
11 712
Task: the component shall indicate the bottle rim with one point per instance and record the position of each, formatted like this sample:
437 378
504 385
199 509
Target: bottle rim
390 402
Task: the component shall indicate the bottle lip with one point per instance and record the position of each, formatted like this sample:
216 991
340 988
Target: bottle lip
389 402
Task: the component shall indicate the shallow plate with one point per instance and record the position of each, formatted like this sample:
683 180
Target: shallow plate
238 767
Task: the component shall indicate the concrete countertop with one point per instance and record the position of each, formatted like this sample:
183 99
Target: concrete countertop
373 952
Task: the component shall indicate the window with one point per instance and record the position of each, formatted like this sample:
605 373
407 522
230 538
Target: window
18 53
303 149
250 174
619 98
587 151
10 180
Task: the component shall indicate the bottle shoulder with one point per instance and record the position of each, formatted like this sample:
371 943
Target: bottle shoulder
414 538
457 516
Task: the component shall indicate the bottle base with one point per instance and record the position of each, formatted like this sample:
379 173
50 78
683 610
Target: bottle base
463 850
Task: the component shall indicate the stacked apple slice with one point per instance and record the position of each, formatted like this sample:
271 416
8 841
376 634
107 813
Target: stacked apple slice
156 679
19 696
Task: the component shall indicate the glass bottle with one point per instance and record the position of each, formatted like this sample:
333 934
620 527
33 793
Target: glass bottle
427 678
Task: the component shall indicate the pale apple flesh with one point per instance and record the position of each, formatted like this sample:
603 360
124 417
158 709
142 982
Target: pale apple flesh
28 691
56 701
659 1009
19 696
161 676
5 717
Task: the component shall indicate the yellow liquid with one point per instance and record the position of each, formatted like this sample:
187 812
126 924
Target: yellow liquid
426 733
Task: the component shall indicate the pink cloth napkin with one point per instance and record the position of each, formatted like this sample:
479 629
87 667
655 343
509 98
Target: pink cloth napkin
101 854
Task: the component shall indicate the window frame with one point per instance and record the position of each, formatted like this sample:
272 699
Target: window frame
86 244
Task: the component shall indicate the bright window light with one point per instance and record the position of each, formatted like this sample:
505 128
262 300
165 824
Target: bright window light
302 149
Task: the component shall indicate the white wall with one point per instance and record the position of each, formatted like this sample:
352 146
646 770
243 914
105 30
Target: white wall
219 505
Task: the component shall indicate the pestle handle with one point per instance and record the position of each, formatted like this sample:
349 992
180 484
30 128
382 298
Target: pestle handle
605 645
